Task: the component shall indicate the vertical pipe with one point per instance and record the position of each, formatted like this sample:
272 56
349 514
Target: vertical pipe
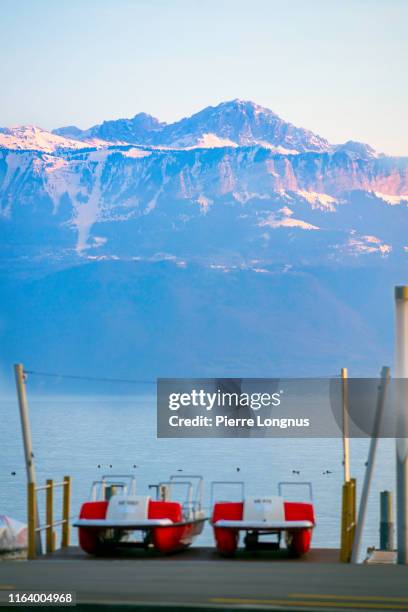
385 377
66 500
49 516
28 449
401 372
386 521
346 444
25 424
31 520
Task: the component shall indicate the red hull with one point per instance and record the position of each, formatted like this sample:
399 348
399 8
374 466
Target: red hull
227 538
165 539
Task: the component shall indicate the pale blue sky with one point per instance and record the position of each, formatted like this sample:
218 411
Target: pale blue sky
338 67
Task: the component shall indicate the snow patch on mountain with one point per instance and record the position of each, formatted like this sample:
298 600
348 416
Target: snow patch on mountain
98 241
211 141
284 218
276 148
65 178
321 201
136 153
363 245
30 137
245 196
87 212
392 199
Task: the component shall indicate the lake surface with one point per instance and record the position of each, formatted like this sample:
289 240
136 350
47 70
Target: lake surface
73 435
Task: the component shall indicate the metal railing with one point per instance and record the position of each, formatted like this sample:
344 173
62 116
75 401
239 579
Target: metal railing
295 483
35 528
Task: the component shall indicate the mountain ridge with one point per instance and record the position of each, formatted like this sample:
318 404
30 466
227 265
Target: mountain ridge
236 122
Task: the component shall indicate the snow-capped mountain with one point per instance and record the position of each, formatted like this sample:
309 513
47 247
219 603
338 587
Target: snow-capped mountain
198 234
234 123
135 187
230 124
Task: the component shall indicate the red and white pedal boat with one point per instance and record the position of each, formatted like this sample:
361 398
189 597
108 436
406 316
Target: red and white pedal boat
116 516
264 515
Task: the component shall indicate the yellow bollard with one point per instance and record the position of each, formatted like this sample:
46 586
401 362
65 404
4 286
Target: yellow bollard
31 522
49 516
353 513
66 500
348 520
344 505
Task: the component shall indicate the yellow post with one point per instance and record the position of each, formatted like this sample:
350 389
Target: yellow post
344 524
49 516
348 520
353 515
66 500
31 512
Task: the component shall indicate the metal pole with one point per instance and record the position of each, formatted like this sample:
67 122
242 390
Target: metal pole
28 449
386 521
401 371
346 444
385 377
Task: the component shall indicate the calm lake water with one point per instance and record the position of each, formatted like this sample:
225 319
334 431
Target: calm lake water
72 435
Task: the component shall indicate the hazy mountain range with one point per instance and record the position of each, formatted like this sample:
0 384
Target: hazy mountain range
196 214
